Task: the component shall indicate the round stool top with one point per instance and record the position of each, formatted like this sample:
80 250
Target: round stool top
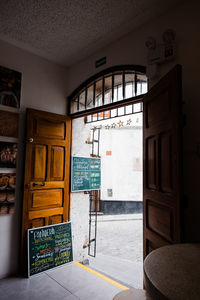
132 294
174 272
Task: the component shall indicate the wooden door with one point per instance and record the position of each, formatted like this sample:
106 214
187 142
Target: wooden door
47 171
162 162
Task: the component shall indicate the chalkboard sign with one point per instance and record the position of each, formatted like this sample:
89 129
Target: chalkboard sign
86 173
49 247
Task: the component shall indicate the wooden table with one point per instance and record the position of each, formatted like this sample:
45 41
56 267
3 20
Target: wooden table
173 272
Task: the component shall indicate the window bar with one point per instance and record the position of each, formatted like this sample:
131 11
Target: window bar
92 141
86 98
117 115
98 140
112 87
103 92
123 85
135 84
133 89
78 103
94 93
103 115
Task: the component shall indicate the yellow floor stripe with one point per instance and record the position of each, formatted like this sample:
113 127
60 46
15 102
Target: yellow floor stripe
121 286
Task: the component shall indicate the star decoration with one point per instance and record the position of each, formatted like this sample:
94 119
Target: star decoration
113 125
129 122
94 128
107 127
120 123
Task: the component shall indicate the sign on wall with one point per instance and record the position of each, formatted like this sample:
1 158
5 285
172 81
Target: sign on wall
49 247
86 174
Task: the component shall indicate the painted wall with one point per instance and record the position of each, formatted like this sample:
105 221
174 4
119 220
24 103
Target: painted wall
184 20
43 88
121 159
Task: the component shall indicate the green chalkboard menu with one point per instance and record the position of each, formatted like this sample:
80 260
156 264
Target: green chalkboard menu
49 247
86 173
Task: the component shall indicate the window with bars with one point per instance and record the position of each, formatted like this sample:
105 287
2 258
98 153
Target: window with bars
108 88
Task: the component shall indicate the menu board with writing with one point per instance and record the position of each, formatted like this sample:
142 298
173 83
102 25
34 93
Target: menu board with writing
86 174
49 247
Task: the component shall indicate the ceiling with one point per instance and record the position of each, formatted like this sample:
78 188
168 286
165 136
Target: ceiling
66 31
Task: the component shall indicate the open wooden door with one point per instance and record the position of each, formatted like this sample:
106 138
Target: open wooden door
47 172
162 162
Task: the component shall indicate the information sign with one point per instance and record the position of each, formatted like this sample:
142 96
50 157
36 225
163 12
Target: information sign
49 247
86 173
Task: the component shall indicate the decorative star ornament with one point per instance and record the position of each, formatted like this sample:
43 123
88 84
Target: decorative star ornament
113 125
129 122
107 127
120 123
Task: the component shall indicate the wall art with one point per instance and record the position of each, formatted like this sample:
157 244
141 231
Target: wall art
10 87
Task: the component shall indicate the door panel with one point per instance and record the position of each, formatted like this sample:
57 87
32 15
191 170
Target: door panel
151 145
55 219
166 174
57 163
47 171
162 162
46 198
38 162
48 128
159 219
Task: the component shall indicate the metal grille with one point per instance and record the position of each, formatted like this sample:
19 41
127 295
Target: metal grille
116 112
106 89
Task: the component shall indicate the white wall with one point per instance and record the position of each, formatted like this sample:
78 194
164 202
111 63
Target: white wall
121 170
43 88
185 21
79 200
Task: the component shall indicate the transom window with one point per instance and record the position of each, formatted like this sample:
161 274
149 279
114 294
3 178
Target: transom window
108 89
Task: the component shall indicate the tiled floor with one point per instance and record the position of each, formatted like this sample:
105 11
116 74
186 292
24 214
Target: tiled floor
69 282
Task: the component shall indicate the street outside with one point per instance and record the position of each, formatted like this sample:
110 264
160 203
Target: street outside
121 237
120 248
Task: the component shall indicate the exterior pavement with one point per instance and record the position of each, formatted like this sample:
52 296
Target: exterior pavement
120 248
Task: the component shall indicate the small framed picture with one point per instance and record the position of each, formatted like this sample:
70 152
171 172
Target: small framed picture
10 87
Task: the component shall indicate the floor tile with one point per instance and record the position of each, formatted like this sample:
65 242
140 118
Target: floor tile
38 287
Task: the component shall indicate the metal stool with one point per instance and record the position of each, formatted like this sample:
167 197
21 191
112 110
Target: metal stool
132 294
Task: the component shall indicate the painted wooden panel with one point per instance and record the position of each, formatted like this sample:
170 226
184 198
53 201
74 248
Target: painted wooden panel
159 219
46 128
166 158
46 198
151 160
57 163
55 219
39 155
39 222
